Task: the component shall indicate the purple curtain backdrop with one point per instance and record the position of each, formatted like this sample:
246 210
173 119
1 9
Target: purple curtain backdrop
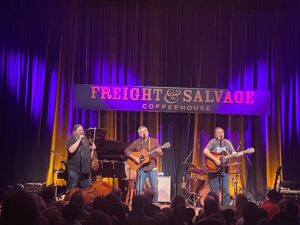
48 46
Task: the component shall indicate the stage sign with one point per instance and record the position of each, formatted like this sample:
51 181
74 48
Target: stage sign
171 99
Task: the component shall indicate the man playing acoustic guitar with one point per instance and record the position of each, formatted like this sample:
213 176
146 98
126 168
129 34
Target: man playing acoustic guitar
146 166
217 148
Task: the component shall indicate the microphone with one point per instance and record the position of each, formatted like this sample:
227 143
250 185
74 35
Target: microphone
238 148
221 140
143 139
83 139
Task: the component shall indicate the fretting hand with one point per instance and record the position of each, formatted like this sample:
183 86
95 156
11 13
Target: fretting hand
235 154
158 150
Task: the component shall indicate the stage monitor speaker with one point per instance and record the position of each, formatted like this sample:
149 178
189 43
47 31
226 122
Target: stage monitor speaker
164 189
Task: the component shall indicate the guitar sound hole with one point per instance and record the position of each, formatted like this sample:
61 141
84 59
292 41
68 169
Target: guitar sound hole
142 158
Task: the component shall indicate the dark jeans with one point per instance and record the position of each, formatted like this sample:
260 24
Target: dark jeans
74 177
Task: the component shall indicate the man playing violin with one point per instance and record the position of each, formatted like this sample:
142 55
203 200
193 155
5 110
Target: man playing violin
219 146
79 162
149 169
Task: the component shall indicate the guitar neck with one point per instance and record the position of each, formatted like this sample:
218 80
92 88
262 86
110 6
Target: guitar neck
238 155
152 151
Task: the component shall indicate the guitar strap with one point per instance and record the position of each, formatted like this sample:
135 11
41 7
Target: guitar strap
149 145
150 155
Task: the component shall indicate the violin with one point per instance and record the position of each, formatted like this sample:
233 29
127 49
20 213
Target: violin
94 157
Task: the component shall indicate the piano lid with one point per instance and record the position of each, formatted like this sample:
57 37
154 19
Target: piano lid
98 133
106 149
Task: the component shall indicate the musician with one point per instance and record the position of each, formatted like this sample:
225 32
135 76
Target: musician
220 146
149 169
79 163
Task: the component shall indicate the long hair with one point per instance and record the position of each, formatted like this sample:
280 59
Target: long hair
76 126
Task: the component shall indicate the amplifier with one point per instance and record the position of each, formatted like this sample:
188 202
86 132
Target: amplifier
164 189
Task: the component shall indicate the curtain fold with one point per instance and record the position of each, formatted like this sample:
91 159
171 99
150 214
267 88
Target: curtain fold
47 48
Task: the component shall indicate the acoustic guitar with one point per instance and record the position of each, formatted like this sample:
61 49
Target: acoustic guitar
144 156
224 157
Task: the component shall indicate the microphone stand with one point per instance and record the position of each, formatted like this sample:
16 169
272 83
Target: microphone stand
247 172
53 162
187 181
139 170
235 179
189 155
185 161
222 174
187 178
81 162
53 183
80 173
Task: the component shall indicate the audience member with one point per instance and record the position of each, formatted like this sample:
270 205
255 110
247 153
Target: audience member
20 209
97 217
271 204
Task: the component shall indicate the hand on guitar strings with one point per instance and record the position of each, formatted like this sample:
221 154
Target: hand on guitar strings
217 161
235 154
136 159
